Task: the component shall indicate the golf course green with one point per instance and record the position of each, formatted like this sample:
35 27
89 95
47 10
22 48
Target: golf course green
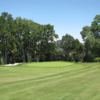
50 81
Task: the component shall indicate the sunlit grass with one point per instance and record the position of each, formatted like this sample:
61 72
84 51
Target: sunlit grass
50 81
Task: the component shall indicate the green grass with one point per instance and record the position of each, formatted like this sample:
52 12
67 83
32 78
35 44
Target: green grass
50 81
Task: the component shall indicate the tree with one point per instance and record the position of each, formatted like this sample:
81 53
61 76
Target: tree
6 36
73 49
22 40
46 38
91 38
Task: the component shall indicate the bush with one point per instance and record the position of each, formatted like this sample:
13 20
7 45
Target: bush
97 59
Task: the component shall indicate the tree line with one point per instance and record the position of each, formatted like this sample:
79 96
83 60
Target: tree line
23 40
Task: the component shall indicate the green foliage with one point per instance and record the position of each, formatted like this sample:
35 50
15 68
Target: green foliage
97 59
22 40
91 38
73 49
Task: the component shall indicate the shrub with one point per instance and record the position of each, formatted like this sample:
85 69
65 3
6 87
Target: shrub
97 59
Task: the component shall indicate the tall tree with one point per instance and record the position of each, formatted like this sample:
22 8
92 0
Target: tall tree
73 49
91 38
24 40
6 36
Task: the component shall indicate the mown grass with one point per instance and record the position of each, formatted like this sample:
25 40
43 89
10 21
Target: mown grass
50 81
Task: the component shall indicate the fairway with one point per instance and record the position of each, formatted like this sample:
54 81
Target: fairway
50 81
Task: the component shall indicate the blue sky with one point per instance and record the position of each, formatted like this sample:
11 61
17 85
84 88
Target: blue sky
67 16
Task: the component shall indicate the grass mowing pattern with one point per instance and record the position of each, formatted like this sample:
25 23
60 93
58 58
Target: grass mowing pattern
50 81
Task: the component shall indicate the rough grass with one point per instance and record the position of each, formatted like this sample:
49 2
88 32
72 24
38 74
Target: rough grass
50 81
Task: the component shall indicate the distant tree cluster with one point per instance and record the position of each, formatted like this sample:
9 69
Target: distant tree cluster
22 40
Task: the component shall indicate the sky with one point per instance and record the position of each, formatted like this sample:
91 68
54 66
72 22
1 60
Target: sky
67 16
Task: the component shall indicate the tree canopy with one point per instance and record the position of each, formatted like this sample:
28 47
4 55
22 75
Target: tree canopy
23 40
